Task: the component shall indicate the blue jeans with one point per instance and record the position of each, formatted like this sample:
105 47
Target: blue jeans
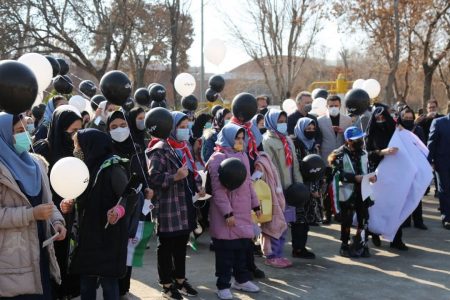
89 286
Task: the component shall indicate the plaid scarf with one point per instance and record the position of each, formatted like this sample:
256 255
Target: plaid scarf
186 153
252 147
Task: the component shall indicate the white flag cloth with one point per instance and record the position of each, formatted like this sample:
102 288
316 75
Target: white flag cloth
402 180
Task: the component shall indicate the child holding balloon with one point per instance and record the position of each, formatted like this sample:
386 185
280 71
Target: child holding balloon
233 199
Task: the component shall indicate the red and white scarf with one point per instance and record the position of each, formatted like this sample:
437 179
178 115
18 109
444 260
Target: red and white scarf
186 153
252 146
287 149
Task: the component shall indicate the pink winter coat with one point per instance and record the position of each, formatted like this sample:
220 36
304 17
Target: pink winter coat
240 201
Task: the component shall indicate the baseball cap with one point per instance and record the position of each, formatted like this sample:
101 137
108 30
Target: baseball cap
353 133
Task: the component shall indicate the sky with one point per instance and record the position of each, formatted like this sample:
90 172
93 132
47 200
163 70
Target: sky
215 28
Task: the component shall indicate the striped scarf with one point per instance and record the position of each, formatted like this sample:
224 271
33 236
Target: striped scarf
287 149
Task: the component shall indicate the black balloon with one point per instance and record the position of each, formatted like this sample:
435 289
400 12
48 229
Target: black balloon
96 100
217 83
142 97
189 102
312 167
159 122
297 194
155 104
63 66
55 65
157 92
244 106
357 101
232 173
128 105
215 109
88 88
211 95
319 93
63 84
18 87
116 87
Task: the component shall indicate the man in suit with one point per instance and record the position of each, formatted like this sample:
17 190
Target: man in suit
304 105
332 126
439 157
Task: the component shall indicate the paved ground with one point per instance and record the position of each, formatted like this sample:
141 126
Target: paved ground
421 273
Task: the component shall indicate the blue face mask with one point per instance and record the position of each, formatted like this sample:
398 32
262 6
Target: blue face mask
30 128
23 142
190 124
208 125
282 128
183 134
227 121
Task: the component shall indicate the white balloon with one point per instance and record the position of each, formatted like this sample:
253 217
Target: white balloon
289 106
358 83
41 68
372 87
215 51
69 177
184 84
78 102
69 107
319 107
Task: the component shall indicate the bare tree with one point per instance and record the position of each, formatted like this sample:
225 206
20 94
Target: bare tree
284 33
433 34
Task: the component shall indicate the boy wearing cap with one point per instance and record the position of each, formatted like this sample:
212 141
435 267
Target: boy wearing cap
349 163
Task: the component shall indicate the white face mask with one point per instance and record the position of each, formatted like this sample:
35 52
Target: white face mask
120 134
333 111
140 124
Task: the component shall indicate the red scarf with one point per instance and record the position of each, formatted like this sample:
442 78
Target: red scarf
152 143
287 149
252 147
186 153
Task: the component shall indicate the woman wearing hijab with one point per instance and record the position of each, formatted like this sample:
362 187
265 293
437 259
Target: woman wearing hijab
221 118
201 123
406 118
123 147
42 131
173 176
282 151
379 132
258 121
59 144
104 110
101 250
136 121
231 223
27 217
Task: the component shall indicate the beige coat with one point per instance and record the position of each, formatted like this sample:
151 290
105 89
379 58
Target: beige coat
19 242
331 141
273 146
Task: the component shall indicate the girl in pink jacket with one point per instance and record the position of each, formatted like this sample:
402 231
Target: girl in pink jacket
231 225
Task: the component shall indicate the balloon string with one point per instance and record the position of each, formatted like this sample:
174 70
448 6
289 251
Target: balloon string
362 129
136 152
80 79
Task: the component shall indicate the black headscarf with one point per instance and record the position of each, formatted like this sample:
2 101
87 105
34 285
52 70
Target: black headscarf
138 135
219 121
60 142
123 149
199 124
96 146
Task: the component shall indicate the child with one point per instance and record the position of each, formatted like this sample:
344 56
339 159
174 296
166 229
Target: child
231 226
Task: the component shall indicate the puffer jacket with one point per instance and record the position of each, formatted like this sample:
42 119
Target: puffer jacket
19 241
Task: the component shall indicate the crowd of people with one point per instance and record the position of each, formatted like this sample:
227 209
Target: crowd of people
122 154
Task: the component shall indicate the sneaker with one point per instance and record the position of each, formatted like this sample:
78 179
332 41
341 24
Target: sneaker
376 240
344 251
286 261
224 294
399 246
246 287
275 263
186 289
172 293
303 253
446 225
258 274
